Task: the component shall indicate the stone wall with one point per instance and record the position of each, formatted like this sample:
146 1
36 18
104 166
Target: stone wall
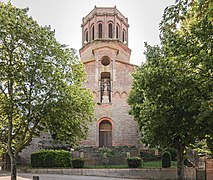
152 173
124 127
44 141
93 156
36 144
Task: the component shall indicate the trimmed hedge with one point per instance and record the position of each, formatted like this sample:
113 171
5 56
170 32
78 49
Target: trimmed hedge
166 159
51 158
173 153
78 163
134 162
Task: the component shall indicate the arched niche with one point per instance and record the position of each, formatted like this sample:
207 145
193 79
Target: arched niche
105 133
105 87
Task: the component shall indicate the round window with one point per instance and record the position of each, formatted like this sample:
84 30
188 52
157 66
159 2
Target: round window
105 61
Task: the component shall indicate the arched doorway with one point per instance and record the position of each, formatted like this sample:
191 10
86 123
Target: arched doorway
105 134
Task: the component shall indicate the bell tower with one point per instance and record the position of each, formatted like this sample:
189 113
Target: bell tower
106 58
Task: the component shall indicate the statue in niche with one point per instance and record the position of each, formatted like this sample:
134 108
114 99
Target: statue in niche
105 91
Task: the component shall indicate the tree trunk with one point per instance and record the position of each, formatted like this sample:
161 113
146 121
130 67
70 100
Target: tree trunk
13 168
10 125
180 161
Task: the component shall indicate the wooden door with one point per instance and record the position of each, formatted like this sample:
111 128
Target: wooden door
105 134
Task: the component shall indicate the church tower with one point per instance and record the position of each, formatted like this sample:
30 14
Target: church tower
106 58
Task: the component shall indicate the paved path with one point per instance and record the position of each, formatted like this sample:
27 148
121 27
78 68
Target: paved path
25 176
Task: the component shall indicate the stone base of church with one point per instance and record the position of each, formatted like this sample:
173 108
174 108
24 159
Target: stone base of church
44 141
106 156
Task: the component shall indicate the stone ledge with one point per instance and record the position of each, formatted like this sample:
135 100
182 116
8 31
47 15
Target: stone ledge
152 173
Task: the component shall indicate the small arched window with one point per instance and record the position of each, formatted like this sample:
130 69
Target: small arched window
124 36
93 32
99 30
117 32
86 36
110 30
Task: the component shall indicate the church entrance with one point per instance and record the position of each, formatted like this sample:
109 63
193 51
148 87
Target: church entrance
105 134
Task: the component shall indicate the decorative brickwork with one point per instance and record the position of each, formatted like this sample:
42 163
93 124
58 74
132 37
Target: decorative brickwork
106 59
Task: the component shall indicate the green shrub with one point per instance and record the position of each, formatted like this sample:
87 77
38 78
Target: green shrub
134 162
51 158
78 163
62 159
105 152
37 159
173 153
166 159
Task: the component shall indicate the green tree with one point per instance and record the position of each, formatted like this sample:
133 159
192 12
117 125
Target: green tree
175 84
40 85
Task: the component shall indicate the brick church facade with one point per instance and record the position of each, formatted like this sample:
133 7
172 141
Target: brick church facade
106 58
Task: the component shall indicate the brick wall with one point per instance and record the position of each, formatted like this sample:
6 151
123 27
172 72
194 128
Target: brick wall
209 169
124 128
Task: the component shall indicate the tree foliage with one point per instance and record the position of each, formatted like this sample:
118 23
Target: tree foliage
175 84
40 84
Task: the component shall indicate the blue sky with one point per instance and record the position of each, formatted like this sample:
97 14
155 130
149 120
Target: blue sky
65 16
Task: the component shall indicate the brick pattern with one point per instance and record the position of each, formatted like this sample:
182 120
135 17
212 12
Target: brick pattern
209 169
124 128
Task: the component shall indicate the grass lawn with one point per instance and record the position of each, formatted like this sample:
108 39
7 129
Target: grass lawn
156 164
